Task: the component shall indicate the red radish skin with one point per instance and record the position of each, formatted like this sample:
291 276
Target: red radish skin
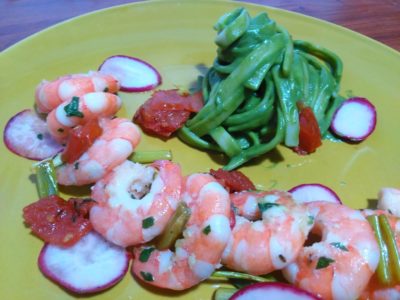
92 265
354 120
26 135
272 291
134 74
311 192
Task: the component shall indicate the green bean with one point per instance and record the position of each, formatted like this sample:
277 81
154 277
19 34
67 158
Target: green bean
238 275
260 29
174 228
259 118
383 270
231 26
261 108
288 97
225 141
227 68
393 252
248 104
193 140
254 137
331 58
144 157
326 122
326 88
288 54
259 149
230 93
46 181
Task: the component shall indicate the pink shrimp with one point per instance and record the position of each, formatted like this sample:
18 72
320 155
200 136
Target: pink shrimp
341 264
389 199
272 243
135 202
51 94
204 239
246 202
79 110
116 143
374 290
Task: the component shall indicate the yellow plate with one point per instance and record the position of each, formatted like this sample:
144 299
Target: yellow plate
177 37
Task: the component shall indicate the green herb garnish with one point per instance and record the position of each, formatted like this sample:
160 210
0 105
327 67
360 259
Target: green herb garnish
207 229
72 109
147 276
339 246
148 222
145 254
266 205
323 262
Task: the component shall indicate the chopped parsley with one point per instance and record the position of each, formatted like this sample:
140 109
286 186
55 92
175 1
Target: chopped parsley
323 262
207 229
72 109
266 205
282 258
145 254
339 246
76 165
106 90
148 222
147 276
310 220
40 136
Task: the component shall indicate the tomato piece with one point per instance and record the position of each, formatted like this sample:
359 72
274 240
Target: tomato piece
233 181
57 221
167 111
176 100
80 140
310 135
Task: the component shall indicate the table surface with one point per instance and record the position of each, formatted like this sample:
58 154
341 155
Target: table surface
379 20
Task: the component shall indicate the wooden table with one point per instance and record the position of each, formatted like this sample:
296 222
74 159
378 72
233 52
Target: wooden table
379 20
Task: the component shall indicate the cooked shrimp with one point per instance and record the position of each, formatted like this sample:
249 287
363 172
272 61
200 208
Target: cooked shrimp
389 199
79 110
246 202
272 243
135 202
374 290
205 236
341 264
116 143
50 94
374 293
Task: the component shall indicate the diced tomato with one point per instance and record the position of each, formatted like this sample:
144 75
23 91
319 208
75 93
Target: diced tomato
233 181
80 140
167 111
58 222
310 135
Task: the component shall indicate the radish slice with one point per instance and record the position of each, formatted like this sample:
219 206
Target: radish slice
272 290
310 192
354 120
134 75
26 134
91 265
